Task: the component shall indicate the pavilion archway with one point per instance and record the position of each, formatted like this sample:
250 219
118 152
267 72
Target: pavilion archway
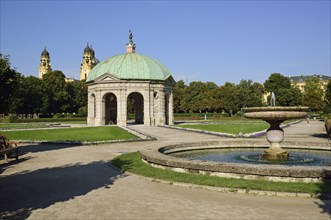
135 107
110 108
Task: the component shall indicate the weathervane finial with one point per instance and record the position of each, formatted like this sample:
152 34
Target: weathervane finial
130 37
130 46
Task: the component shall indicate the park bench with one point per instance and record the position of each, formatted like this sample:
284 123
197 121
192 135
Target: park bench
8 147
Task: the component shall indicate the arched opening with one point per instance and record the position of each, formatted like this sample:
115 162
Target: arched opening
110 101
135 108
166 108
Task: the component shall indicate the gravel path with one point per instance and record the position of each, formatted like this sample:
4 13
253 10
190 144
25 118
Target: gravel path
78 182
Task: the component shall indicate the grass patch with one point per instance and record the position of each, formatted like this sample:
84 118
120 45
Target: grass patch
231 127
88 134
131 162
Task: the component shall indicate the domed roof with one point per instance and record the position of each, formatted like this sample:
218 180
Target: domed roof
45 53
131 66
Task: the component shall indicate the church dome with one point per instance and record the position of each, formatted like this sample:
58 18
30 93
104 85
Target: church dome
88 49
45 53
131 66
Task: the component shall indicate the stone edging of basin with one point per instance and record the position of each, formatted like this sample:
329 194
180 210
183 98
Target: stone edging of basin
248 135
282 173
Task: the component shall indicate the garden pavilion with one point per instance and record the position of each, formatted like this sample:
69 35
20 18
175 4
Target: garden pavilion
130 79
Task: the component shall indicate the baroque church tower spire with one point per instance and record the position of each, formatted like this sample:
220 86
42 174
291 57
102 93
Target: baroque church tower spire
88 62
45 63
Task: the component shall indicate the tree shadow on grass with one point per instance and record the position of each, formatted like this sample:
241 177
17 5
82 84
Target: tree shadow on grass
24 192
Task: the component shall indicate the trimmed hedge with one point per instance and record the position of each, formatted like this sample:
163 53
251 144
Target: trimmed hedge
14 119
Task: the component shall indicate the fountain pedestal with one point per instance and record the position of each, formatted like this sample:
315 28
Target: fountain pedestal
275 134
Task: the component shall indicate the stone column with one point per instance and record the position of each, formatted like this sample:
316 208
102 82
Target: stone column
146 110
161 120
100 109
91 109
151 108
122 108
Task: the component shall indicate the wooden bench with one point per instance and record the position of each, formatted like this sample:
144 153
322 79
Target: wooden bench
8 147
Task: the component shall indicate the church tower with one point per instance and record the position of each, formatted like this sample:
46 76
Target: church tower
45 63
88 62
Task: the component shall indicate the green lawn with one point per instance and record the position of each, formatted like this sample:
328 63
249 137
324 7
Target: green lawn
132 162
231 127
88 134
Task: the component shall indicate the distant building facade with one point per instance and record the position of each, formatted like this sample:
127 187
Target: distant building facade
45 63
300 81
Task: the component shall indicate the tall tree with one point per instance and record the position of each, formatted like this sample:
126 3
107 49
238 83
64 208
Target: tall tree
286 95
193 97
313 94
57 100
277 81
77 91
178 93
31 95
249 94
229 98
9 80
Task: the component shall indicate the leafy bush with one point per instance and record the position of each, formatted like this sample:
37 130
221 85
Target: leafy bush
82 111
10 119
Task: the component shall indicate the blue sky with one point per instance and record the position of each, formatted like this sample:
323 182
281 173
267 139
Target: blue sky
218 41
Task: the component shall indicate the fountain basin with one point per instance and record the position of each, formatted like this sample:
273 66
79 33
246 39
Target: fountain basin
284 173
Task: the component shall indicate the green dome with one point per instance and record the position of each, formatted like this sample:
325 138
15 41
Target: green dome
131 66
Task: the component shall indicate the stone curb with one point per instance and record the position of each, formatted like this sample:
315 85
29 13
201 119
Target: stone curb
237 190
141 137
248 135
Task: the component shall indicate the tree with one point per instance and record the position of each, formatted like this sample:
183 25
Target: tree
9 80
286 95
31 96
178 93
313 94
229 98
289 97
193 97
57 97
249 94
77 91
277 81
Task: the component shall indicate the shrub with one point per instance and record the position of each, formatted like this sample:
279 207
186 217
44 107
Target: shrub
82 111
10 119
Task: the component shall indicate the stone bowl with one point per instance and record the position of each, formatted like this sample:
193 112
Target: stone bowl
276 113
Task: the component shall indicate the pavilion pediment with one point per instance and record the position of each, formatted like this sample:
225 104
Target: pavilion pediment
106 77
170 80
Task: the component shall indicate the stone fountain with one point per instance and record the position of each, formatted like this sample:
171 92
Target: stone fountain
275 115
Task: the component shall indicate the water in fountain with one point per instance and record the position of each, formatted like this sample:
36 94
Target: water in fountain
296 158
